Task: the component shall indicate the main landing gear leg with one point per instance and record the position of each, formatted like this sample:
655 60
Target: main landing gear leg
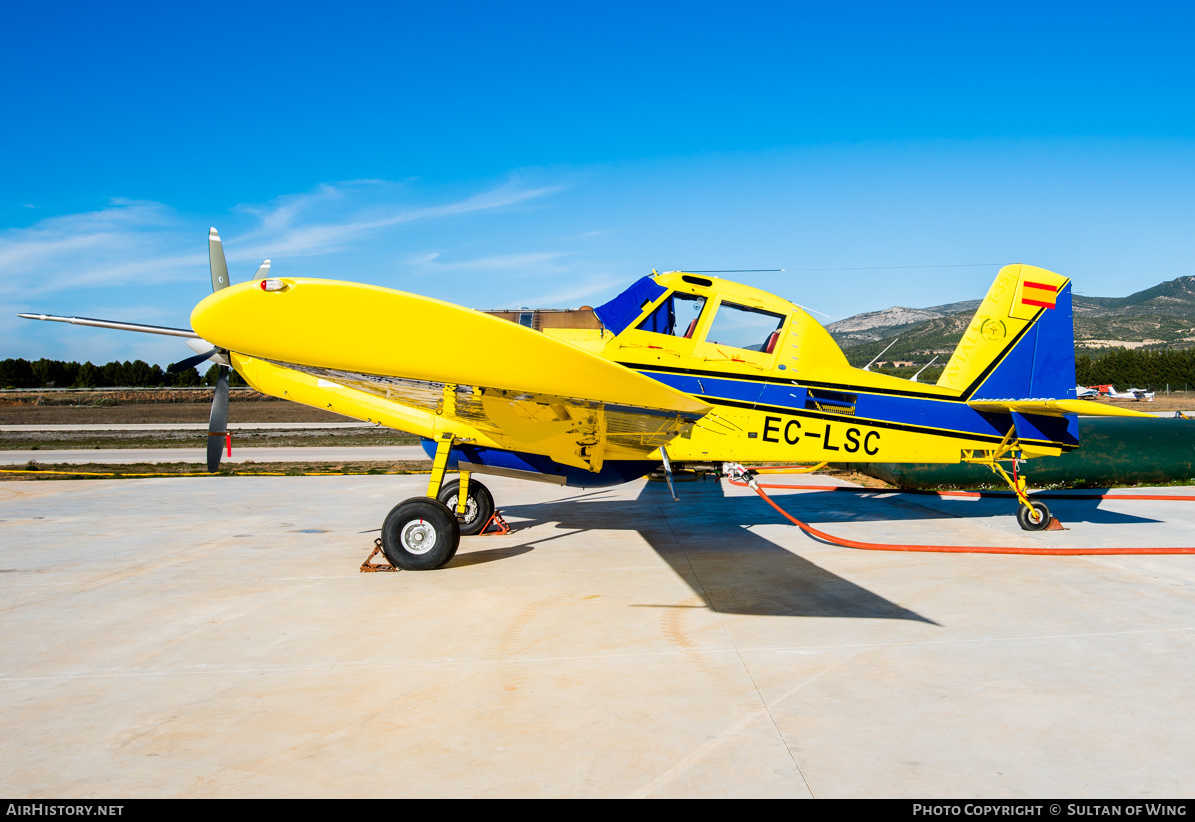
1032 514
421 533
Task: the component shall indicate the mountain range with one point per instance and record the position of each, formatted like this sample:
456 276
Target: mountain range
1160 317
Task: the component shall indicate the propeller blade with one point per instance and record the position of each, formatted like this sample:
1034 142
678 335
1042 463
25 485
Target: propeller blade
217 427
190 362
215 255
263 271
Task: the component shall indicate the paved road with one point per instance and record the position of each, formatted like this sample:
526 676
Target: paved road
212 637
126 456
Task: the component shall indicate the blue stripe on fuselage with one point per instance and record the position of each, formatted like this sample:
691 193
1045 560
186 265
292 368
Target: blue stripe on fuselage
925 412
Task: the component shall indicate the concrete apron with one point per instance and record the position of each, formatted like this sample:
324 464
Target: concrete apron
213 637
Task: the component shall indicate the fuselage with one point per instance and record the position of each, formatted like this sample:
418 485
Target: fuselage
793 397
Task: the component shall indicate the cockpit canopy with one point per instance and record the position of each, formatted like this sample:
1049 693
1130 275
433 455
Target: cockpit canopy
624 309
735 325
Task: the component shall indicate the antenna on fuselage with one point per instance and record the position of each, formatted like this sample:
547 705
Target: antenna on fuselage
927 365
877 356
813 310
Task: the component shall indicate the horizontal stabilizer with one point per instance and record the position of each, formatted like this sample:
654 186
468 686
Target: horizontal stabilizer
1054 408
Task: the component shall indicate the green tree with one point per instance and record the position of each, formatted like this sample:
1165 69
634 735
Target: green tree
1083 369
186 378
141 374
17 374
55 373
1126 368
234 379
89 376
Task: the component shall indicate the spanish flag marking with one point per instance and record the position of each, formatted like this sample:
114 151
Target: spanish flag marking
1038 294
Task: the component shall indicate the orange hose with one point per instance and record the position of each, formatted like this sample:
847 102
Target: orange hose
962 549
972 494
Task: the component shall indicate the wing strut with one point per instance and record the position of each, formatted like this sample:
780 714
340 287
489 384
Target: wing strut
668 473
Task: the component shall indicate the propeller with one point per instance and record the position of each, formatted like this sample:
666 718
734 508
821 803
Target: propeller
217 426
215 256
190 362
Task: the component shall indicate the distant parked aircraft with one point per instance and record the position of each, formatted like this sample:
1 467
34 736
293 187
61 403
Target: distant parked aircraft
1110 391
1137 394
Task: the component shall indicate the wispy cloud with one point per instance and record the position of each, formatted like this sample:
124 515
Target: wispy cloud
145 243
533 263
299 225
603 285
125 242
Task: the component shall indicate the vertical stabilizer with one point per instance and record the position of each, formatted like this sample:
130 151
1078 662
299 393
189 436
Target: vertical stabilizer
1020 343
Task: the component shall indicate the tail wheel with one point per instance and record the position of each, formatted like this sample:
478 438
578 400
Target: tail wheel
479 506
1036 518
420 534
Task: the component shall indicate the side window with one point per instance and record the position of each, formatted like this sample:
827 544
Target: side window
751 329
676 316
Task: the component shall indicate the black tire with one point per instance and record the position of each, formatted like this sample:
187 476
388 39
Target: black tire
1025 520
420 534
478 508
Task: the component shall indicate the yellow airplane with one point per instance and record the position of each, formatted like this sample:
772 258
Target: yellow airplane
681 371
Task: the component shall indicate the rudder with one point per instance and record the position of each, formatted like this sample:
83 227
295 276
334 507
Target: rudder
1020 343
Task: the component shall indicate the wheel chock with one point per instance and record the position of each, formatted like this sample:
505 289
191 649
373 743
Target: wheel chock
1054 525
368 567
495 526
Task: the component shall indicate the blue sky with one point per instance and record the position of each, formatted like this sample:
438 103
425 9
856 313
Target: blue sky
547 154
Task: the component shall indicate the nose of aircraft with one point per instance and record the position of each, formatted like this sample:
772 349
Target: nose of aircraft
234 318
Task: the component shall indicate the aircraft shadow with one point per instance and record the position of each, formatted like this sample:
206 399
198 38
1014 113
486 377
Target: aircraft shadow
1088 510
887 506
705 541
487 555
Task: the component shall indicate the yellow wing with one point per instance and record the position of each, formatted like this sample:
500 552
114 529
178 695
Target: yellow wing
428 367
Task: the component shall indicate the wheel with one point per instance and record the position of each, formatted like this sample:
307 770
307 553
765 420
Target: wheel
479 507
1037 519
420 534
